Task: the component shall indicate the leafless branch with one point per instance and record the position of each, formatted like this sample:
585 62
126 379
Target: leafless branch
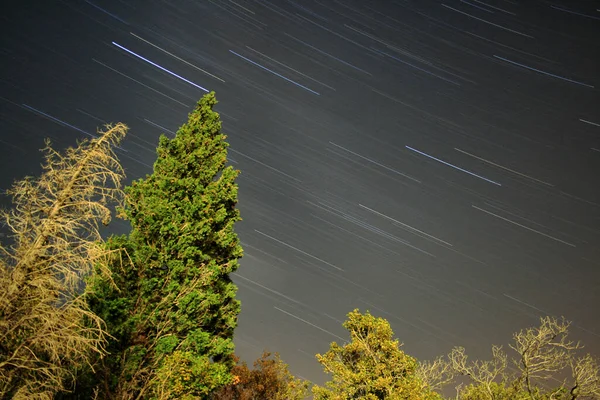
45 325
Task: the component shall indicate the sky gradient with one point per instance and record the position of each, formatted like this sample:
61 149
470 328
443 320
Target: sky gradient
437 163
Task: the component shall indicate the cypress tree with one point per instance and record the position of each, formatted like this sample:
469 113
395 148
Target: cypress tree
171 304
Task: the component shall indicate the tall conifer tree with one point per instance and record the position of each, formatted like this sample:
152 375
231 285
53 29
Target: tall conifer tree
171 306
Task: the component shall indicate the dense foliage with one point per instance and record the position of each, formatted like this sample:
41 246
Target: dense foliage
371 366
157 317
269 379
170 305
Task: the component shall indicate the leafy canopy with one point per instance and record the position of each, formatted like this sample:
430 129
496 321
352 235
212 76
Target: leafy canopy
269 379
371 366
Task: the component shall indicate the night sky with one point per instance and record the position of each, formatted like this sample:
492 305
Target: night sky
437 163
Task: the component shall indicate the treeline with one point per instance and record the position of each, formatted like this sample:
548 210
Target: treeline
152 314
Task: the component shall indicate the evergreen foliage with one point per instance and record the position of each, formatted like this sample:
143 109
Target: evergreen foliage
157 316
171 305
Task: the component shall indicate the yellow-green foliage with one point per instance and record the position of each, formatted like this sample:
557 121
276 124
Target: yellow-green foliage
371 366
46 327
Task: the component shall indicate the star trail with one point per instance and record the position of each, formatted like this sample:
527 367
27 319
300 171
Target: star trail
434 162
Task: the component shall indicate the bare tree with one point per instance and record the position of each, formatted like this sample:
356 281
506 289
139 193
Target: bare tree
46 328
437 373
543 351
543 354
483 373
586 378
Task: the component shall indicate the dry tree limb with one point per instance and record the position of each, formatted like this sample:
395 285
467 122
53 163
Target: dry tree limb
543 351
483 373
46 327
542 355
436 374
586 378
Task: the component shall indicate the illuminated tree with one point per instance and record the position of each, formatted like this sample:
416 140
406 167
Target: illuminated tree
269 379
543 353
46 327
371 366
172 308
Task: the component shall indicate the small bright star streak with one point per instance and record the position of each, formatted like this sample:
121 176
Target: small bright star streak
543 72
63 123
106 12
158 66
274 73
453 166
58 121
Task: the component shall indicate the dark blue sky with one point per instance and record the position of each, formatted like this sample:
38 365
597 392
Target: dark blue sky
437 163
